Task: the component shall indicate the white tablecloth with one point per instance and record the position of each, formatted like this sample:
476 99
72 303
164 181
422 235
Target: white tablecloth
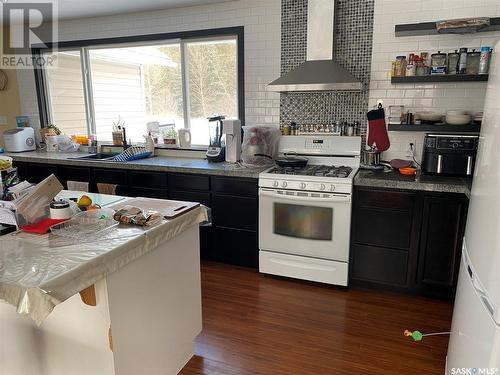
39 272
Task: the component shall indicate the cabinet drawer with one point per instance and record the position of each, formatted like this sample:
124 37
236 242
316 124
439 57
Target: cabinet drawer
188 182
191 196
235 212
148 192
235 246
38 172
386 266
384 199
73 174
110 176
247 187
383 228
154 180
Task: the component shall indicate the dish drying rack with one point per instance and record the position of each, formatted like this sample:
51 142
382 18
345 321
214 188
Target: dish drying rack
133 153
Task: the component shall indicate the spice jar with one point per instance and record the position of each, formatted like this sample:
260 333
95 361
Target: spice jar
473 59
421 67
411 68
462 62
453 59
400 66
286 129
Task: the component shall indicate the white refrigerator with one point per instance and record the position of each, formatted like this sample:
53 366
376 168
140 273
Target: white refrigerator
474 346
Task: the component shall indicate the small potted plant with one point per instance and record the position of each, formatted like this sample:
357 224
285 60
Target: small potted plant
170 137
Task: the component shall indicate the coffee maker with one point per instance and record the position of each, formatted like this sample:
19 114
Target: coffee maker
232 131
216 152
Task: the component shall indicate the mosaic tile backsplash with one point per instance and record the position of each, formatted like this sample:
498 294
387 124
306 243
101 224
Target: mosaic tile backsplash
353 50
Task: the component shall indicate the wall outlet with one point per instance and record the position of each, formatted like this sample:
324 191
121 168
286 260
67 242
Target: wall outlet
411 147
3 120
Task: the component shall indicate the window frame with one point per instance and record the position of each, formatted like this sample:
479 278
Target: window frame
183 38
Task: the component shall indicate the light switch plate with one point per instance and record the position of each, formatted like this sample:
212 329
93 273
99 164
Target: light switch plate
3 120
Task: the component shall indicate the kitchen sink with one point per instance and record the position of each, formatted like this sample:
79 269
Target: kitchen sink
99 156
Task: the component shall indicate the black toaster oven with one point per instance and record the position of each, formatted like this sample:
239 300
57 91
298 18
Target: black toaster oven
450 154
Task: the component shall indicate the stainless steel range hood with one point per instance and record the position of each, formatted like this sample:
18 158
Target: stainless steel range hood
320 72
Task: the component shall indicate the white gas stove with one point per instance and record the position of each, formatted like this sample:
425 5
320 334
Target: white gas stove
305 214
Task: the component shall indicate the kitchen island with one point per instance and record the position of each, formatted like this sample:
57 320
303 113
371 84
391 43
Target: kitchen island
124 304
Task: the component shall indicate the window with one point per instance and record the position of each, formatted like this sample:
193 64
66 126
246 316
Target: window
66 94
177 82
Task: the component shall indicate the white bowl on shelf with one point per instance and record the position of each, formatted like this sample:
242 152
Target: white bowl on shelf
458 119
430 116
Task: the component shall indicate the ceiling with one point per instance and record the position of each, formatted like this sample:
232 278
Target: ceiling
68 9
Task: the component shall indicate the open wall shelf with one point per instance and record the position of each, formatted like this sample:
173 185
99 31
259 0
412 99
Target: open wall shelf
441 78
441 128
429 28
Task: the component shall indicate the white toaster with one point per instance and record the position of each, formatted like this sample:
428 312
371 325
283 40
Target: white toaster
19 139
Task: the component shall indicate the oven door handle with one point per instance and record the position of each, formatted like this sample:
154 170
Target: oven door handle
332 198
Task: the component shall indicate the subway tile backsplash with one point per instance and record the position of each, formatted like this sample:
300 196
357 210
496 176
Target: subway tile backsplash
430 96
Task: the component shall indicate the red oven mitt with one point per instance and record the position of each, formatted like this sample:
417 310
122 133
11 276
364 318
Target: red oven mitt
377 132
42 226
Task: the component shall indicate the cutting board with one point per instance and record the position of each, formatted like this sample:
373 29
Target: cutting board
169 209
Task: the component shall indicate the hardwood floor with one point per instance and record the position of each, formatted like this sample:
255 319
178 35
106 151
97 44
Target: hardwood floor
256 324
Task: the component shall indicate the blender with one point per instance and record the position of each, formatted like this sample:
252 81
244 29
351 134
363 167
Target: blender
216 152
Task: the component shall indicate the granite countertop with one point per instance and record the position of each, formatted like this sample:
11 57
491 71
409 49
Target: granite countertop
157 163
395 180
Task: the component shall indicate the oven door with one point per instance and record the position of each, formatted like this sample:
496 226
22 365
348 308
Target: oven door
305 223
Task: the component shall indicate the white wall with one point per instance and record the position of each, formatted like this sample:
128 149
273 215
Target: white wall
262 22
435 96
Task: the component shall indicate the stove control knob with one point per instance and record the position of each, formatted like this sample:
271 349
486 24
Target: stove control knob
303 185
332 188
276 183
322 187
284 184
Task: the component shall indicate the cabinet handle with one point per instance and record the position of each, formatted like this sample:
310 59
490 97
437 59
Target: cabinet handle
439 168
469 165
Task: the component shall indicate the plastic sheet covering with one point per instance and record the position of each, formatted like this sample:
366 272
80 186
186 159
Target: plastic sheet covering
39 272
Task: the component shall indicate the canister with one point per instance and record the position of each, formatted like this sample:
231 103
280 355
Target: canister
453 59
473 59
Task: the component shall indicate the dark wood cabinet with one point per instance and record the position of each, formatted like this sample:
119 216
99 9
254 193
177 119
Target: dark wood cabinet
443 223
191 196
239 187
112 177
38 172
70 173
188 182
235 212
380 265
234 246
22 170
151 180
407 240
135 191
